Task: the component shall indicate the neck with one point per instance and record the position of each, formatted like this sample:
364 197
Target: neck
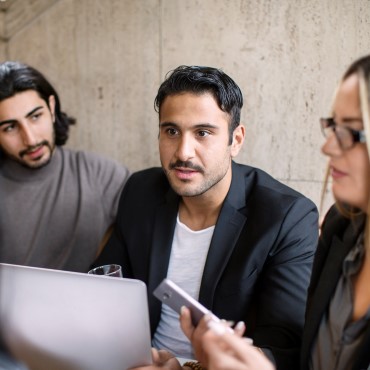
198 217
14 170
202 211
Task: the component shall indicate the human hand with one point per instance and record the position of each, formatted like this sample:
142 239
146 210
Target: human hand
226 351
161 360
195 334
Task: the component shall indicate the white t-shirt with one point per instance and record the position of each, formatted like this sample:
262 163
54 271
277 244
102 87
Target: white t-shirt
188 256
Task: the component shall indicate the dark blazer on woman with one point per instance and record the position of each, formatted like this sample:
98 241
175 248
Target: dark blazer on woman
338 236
259 261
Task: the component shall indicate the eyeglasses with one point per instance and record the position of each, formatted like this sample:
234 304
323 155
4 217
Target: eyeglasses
345 136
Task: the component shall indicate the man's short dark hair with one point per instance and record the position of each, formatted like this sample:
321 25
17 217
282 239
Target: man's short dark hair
200 80
17 77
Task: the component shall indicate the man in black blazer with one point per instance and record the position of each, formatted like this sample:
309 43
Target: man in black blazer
239 241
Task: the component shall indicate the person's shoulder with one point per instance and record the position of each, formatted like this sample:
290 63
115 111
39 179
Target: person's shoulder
152 178
334 227
147 186
260 182
338 224
87 156
90 161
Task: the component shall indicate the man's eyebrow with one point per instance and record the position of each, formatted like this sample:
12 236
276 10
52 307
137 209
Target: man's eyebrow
29 114
205 125
198 125
33 111
168 124
8 122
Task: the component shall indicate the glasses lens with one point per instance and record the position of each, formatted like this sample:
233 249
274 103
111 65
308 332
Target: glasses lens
342 134
327 127
344 137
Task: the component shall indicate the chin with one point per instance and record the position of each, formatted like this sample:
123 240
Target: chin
352 203
36 165
344 195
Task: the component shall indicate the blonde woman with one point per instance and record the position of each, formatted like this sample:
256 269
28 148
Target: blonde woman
337 329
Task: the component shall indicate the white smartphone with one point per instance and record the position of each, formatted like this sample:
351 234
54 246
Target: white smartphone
175 297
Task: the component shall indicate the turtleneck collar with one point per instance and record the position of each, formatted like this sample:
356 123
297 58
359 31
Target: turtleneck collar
15 171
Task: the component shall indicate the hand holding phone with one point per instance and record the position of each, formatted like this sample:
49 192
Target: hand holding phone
175 297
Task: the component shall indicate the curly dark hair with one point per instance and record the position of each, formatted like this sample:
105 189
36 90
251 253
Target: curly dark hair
200 80
16 77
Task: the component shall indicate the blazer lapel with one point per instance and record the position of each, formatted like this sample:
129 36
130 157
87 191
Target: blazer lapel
163 231
327 284
226 234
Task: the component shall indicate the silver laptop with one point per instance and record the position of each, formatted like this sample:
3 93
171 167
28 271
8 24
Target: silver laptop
55 320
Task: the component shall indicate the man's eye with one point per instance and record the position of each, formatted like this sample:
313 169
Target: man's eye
171 131
35 116
203 133
8 128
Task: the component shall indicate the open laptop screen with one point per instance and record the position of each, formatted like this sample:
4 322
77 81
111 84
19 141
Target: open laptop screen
54 319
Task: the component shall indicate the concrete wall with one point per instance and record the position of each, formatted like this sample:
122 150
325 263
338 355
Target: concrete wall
2 35
107 59
2 50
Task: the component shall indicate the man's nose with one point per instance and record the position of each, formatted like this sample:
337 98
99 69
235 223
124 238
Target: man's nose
28 136
185 149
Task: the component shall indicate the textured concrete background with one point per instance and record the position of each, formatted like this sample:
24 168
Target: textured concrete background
107 59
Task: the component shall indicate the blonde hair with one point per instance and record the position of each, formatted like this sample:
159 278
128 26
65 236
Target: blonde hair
361 68
365 112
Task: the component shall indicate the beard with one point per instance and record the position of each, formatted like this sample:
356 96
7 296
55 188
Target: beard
186 188
36 163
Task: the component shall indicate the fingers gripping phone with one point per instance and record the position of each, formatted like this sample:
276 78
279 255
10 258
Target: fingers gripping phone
175 297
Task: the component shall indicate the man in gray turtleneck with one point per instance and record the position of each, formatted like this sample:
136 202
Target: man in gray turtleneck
56 204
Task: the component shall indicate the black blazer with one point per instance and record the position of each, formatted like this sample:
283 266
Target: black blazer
259 262
338 236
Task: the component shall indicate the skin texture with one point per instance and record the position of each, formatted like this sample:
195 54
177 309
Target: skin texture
230 352
196 155
197 334
349 169
26 129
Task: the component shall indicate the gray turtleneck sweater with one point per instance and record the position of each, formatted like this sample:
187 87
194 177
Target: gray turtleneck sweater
56 216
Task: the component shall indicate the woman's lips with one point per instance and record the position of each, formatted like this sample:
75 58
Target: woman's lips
336 174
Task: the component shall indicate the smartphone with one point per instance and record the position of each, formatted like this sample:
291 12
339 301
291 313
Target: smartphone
175 297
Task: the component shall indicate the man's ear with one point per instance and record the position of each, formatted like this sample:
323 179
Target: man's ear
238 140
52 106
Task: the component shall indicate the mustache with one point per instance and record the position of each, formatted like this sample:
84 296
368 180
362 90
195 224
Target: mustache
186 164
32 148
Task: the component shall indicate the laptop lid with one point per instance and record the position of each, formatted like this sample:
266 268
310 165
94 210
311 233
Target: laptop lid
71 321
